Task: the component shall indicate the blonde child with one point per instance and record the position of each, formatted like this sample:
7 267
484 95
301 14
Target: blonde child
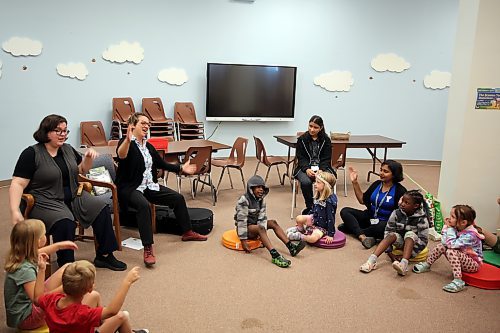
460 243
321 221
27 239
79 309
406 229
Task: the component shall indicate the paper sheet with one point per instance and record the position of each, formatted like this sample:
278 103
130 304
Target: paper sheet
133 243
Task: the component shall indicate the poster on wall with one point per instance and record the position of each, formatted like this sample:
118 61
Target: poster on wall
488 98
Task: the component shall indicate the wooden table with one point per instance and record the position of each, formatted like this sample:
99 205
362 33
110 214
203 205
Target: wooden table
368 142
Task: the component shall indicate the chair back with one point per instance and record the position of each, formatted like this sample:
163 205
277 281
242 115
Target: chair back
338 155
123 108
92 134
260 151
240 148
153 108
184 112
201 157
106 160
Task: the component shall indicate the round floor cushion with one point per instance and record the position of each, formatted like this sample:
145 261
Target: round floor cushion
231 241
488 277
422 256
338 241
43 329
491 258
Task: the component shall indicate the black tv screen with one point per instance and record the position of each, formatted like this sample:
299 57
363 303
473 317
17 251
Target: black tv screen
250 92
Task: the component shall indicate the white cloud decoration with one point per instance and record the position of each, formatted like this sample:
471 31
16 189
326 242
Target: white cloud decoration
73 70
22 46
335 81
175 76
437 80
389 62
125 51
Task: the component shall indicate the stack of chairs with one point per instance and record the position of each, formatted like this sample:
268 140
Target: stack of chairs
188 127
161 126
123 108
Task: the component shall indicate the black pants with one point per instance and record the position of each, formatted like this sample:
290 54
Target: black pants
166 197
102 226
357 222
306 188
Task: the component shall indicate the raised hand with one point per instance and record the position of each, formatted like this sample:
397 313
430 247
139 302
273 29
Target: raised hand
91 153
43 258
353 174
188 168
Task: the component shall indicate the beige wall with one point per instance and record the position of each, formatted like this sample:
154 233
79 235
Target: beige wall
470 170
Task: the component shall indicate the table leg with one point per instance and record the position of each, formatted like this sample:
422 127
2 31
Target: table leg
374 160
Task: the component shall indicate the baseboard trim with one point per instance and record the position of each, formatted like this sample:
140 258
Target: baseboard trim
5 183
404 162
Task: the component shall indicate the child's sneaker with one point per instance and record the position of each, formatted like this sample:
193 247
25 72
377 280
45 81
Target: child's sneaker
295 236
291 230
401 268
368 266
455 286
421 267
296 248
281 261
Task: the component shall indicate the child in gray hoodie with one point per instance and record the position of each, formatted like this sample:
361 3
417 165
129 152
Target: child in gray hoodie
252 223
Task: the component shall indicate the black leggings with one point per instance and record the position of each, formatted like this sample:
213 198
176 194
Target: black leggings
357 222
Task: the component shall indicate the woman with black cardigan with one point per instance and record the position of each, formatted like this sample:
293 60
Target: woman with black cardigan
381 198
137 184
313 153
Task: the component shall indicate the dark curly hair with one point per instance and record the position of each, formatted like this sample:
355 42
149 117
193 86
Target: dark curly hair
396 170
49 123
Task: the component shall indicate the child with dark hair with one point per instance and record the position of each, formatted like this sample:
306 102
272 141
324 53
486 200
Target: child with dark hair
406 229
252 223
461 245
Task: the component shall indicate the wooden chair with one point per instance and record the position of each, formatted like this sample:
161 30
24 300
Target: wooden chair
92 134
338 161
202 158
160 125
268 161
123 108
188 127
237 162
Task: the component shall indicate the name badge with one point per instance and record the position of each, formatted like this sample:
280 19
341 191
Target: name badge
374 221
315 168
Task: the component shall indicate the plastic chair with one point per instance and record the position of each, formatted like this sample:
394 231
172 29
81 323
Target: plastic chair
188 127
268 161
240 148
123 108
160 124
202 158
338 161
92 134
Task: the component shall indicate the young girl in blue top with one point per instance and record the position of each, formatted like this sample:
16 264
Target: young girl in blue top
26 240
321 222
460 243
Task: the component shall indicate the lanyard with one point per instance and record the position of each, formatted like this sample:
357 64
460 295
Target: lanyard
379 204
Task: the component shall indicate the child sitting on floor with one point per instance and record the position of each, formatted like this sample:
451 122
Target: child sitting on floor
79 309
460 243
406 229
321 221
252 223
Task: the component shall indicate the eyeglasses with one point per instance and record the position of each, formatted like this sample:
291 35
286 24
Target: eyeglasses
146 123
61 132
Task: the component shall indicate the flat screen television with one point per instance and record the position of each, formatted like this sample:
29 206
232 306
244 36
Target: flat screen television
250 92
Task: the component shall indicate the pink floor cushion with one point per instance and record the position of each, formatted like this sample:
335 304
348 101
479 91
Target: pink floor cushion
488 277
338 241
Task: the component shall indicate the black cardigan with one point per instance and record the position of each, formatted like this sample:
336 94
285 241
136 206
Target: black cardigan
303 153
130 170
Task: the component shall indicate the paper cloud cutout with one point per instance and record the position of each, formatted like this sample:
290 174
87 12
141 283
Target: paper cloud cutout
437 80
22 46
175 76
335 81
73 70
125 51
389 62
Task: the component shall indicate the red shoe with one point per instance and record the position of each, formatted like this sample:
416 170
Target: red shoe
149 257
193 236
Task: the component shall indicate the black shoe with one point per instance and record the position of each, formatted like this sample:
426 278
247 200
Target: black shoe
306 211
341 227
369 242
109 262
296 248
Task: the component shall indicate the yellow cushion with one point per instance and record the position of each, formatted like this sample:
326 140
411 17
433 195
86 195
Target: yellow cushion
422 256
43 329
231 241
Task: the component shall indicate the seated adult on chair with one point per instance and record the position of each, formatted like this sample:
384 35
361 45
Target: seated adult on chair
381 198
313 153
49 171
137 184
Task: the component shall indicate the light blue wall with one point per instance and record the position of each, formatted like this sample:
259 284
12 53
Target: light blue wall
317 36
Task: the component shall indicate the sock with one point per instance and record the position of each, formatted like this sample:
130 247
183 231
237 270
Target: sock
404 263
274 253
372 258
